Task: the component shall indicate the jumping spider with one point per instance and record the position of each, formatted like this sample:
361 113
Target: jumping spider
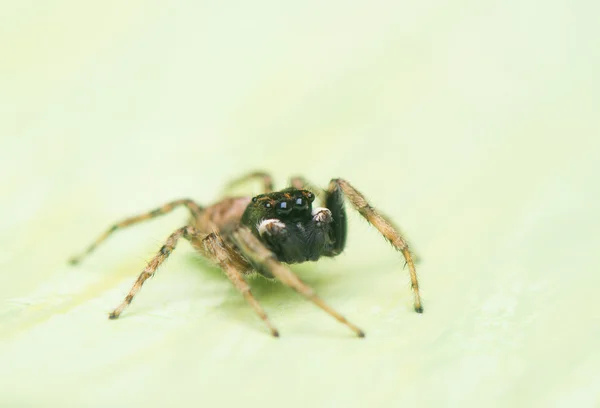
262 233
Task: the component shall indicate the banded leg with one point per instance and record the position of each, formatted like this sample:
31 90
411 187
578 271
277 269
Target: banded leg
384 226
260 255
233 265
188 233
194 208
266 179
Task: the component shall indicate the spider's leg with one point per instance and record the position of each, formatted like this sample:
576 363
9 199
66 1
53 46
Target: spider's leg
260 255
188 233
194 208
266 179
382 224
231 262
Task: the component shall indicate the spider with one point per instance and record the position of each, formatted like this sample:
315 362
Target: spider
265 232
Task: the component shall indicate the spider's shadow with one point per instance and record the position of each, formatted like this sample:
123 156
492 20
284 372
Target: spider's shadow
273 295
264 289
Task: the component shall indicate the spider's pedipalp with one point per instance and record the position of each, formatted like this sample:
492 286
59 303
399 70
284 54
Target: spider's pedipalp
270 227
383 225
322 215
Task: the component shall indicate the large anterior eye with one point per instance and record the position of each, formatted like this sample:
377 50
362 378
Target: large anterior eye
284 207
299 202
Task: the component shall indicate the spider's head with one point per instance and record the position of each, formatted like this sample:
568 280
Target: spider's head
285 223
289 205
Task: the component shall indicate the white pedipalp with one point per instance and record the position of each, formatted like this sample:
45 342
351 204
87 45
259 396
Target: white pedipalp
264 226
322 215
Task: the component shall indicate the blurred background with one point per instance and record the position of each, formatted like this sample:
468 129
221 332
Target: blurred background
473 125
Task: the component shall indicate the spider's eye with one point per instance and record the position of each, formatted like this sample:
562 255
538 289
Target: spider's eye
310 196
299 202
268 205
254 199
284 207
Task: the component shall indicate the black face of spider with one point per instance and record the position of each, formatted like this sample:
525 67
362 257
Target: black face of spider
286 205
287 224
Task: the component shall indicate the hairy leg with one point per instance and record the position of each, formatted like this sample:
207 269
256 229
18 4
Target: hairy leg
194 208
233 265
188 233
259 254
265 177
384 226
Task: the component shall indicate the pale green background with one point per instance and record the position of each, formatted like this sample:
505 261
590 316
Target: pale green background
474 125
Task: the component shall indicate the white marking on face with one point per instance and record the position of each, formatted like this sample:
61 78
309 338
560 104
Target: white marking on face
322 215
268 226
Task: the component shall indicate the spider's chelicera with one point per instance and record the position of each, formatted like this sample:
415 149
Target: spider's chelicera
262 233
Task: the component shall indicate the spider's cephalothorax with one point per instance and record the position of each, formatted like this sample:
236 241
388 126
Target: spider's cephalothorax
287 224
261 233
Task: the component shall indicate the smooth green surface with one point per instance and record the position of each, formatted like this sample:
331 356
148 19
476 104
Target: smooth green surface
473 125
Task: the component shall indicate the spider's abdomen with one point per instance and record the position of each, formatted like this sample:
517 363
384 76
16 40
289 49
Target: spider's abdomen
223 216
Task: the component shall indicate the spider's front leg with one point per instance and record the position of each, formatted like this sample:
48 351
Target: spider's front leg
335 202
253 249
